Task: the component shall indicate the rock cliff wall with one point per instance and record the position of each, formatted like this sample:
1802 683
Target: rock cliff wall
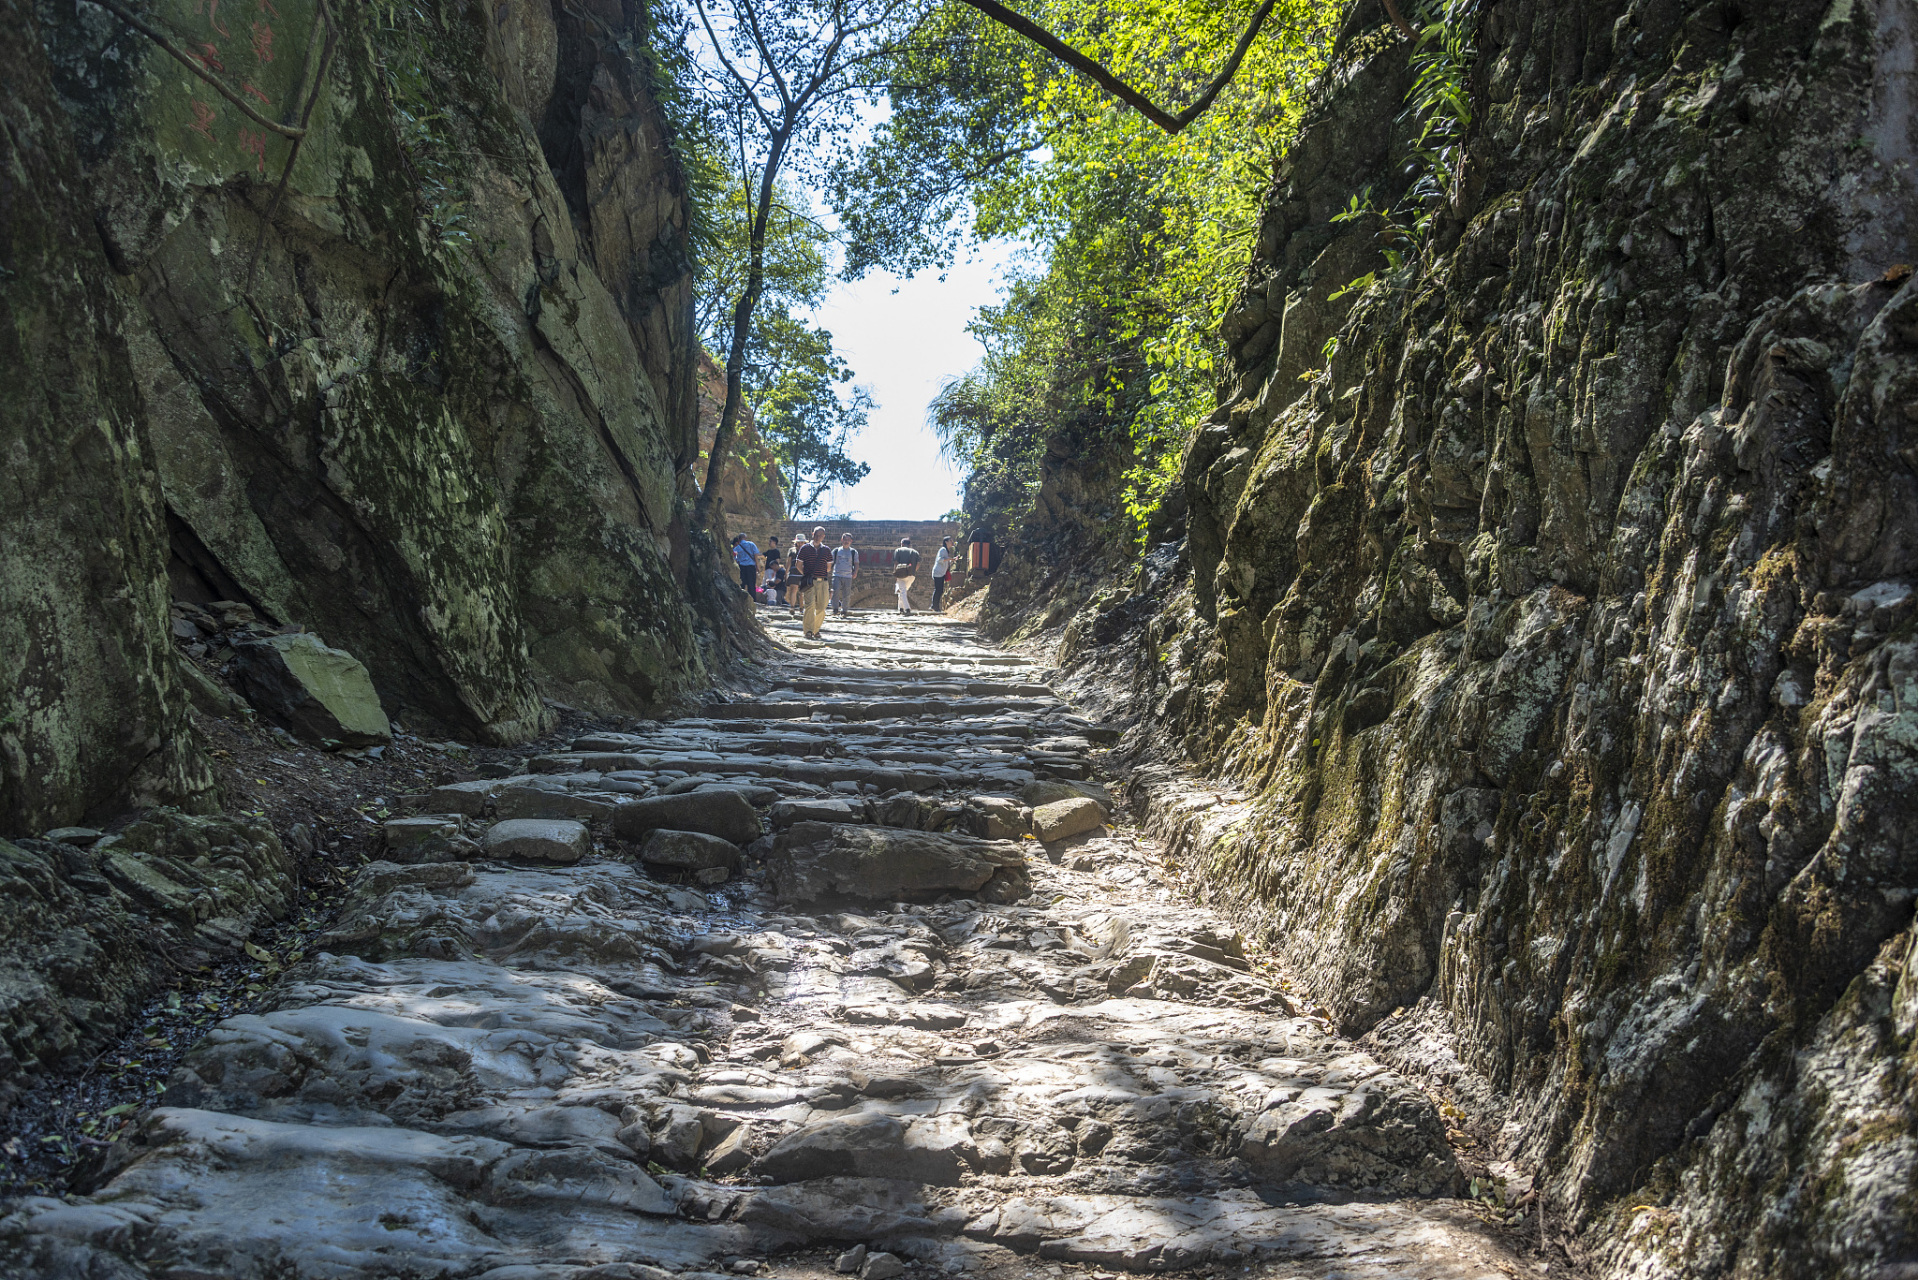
421 381
91 710
1551 600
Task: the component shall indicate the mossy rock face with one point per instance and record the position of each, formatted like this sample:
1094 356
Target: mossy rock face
1561 621
91 713
439 408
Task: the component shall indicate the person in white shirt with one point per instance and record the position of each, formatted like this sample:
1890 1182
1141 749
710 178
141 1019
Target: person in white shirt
941 571
845 567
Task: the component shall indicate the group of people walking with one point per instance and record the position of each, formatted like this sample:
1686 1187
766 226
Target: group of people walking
799 578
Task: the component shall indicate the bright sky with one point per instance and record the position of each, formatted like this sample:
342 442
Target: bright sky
904 340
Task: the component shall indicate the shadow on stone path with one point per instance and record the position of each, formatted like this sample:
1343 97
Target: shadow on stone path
893 1022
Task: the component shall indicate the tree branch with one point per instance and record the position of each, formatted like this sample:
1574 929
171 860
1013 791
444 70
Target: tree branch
1405 28
719 51
192 64
770 63
1111 83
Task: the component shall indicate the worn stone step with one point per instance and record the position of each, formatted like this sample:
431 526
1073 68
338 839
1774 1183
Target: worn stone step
537 1062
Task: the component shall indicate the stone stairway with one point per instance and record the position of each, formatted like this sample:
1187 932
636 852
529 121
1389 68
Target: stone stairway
858 973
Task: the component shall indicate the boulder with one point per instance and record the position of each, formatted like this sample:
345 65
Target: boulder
811 860
1053 790
468 798
997 818
908 810
840 1209
722 813
679 1133
787 812
544 802
868 1145
427 839
376 879
538 840
689 850
315 692
732 1154
1382 1135
1063 819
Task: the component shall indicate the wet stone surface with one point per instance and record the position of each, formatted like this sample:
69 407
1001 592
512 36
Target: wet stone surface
848 1009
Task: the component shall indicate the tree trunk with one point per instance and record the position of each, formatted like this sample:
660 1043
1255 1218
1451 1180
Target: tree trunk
742 331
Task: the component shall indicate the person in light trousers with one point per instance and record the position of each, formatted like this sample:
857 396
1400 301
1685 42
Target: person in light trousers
905 567
845 567
815 565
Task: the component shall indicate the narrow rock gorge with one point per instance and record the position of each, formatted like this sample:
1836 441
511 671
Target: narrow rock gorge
1467 834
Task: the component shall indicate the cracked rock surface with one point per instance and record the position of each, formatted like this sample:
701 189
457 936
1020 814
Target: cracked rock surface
897 1024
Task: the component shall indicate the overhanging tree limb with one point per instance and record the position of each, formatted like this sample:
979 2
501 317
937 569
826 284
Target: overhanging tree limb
1111 83
194 65
1119 89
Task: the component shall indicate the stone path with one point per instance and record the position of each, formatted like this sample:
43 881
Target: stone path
848 1003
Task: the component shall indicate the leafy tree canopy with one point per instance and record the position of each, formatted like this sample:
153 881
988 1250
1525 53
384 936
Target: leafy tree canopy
797 387
1141 238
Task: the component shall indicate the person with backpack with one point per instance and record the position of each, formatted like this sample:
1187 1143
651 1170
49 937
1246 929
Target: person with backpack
941 572
746 556
905 567
845 567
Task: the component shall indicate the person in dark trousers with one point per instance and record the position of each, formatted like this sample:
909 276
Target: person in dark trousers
905 567
773 589
746 556
941 572
845 567
793 574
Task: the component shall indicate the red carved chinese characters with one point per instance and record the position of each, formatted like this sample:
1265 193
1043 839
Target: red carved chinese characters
253 142
203 116
262 41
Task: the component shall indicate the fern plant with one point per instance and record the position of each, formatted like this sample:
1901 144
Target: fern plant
1439 104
